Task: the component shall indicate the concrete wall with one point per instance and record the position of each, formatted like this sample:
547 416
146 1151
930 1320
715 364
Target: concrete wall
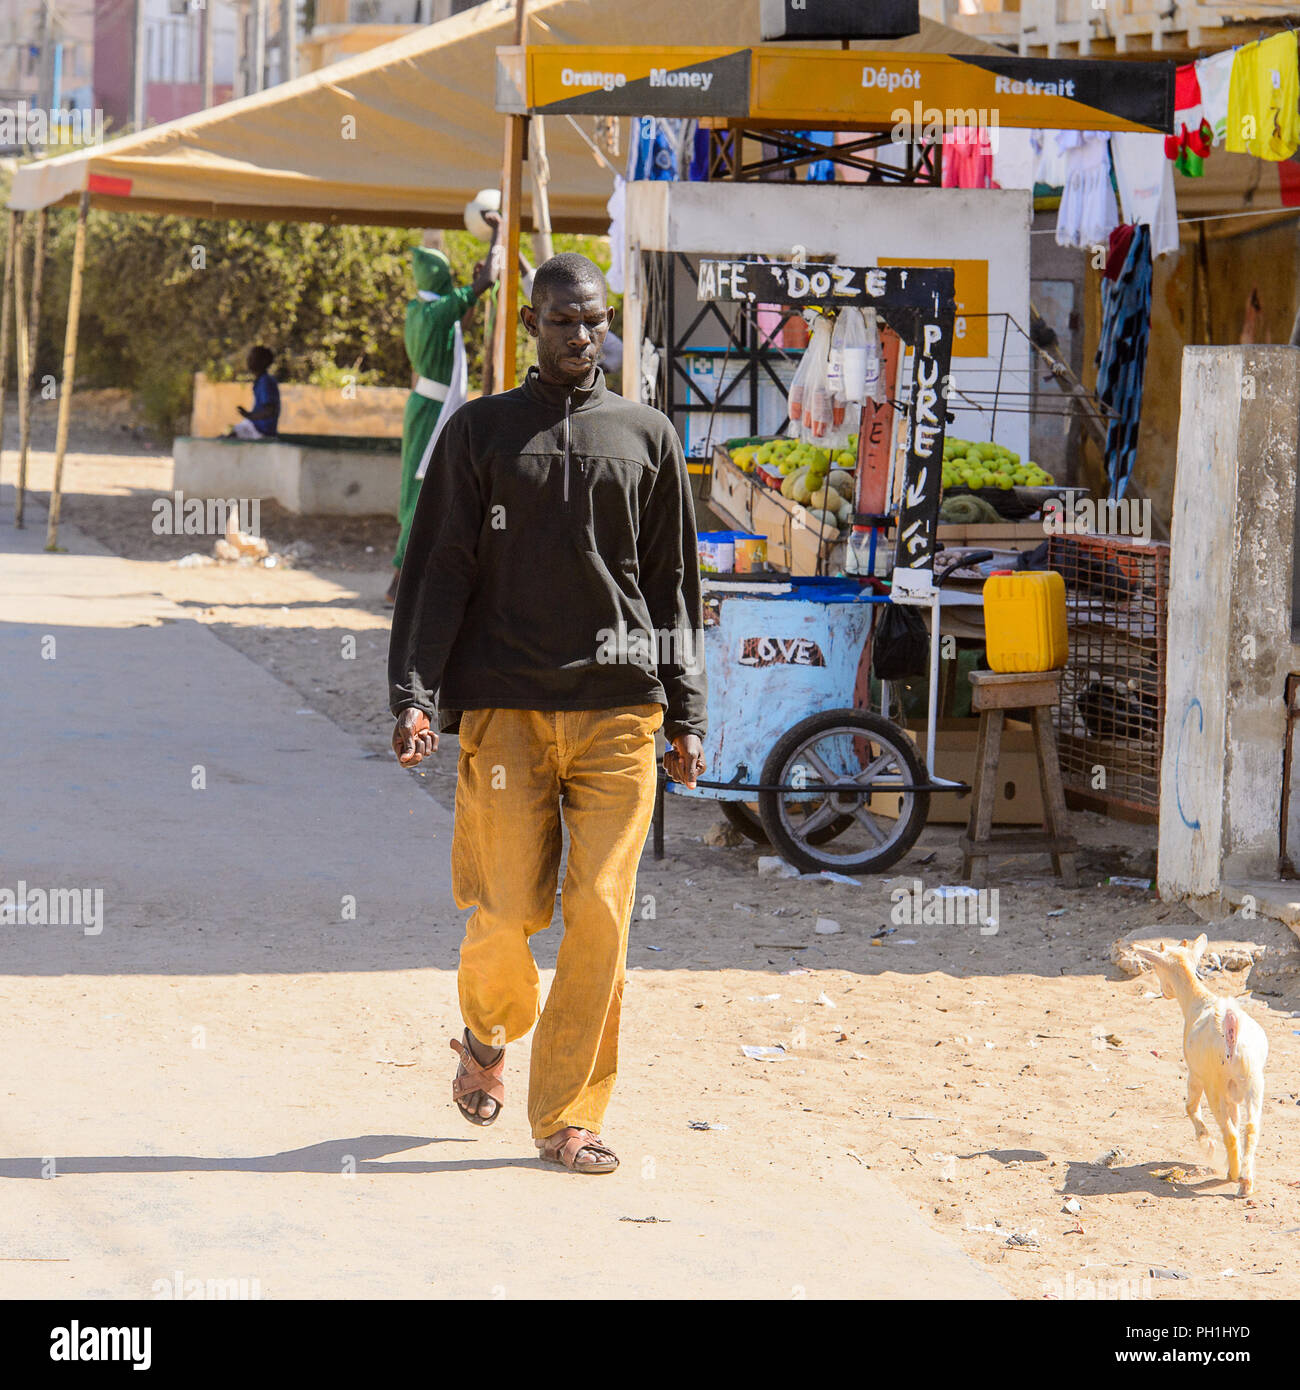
374 412
309 481
1230 647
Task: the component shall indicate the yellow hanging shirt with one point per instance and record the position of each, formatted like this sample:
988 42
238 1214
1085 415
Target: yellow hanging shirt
1264 99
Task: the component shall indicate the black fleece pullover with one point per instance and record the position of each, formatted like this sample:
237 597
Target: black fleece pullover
552 563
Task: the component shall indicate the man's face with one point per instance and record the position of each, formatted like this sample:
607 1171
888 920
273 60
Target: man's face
569 325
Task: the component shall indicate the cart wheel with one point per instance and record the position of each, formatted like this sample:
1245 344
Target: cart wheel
858 756
744 816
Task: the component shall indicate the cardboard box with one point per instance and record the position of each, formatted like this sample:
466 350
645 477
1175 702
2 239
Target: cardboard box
1019 800
1002 535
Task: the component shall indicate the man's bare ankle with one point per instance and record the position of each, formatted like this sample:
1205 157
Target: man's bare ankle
484 1054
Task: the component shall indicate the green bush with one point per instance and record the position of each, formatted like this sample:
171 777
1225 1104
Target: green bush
165 297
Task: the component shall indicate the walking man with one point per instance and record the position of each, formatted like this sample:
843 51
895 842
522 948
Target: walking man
549 611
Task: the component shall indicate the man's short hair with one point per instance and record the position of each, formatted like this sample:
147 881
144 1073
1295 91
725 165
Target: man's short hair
563 272
260 358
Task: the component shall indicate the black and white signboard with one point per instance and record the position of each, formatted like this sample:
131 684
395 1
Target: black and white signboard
918 304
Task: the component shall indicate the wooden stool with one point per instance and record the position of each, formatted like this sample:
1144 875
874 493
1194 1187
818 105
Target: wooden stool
993 693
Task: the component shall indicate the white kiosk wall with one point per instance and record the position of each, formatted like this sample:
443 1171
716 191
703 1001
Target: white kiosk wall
983 233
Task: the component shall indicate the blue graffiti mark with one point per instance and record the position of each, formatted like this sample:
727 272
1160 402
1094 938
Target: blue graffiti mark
1178 760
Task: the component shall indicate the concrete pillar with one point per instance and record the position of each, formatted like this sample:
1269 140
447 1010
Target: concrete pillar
1230 645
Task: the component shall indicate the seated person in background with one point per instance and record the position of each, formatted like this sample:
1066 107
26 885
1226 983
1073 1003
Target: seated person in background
262 422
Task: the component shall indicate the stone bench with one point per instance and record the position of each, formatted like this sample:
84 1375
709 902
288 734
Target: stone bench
312 475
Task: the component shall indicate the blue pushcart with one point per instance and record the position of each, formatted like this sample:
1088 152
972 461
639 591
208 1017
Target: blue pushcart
792 763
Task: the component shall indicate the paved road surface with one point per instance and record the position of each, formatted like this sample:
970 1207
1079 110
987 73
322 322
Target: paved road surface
234 1081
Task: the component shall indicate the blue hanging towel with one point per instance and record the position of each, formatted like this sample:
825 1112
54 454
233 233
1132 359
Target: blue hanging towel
699 169
1122 356
653 154
823 170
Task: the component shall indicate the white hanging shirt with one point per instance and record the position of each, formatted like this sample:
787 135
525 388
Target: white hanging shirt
1088 212
1146 186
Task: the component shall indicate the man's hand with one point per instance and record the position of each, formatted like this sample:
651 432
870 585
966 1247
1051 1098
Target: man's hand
413 739
684 761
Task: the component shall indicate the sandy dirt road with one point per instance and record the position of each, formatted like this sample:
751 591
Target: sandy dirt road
982 1076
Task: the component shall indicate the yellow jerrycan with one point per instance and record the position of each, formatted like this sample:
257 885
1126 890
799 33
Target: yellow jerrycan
1024 620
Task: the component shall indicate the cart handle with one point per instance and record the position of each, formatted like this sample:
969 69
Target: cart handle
821 786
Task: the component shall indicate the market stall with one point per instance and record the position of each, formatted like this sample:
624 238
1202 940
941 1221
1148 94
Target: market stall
825 451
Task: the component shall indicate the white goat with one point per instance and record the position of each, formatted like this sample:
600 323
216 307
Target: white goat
1225 1050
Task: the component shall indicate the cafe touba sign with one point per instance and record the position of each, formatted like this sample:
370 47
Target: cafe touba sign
804 88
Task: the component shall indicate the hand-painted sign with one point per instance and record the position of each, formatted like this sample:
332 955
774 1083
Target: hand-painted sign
780 651
854 88
918 304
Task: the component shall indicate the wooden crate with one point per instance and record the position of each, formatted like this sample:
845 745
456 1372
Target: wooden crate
793 545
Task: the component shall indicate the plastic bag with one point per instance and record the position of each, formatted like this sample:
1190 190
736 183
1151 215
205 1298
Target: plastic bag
817 405
797 389
848 371
873 382
901 648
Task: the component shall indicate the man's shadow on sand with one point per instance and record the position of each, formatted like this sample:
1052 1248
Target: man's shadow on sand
336 1156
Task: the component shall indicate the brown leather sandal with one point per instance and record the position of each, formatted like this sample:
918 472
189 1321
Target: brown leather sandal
472 1077
566 1146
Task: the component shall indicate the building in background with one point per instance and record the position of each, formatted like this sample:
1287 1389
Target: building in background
172 58
1111 28
341 28
46 57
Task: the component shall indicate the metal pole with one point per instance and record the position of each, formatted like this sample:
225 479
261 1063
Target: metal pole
259 45
24 405
209 6
69 370
288 40
137 67
6 309
45 82
240 76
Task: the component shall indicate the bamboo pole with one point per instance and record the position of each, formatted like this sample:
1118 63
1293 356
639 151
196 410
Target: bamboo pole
24 403
31 336
69 370
6 310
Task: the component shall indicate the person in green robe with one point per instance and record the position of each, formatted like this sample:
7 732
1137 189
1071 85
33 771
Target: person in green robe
433 343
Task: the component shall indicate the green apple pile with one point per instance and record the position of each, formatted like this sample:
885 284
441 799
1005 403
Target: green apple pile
987 465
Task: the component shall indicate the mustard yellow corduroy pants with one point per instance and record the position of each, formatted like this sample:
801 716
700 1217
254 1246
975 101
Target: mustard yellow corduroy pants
519 771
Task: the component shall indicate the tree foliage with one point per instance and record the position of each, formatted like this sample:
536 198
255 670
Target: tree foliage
165 297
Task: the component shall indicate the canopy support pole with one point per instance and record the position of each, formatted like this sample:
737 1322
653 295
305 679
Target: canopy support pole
69 369
540 171
33 336
503 342
24 403
6 307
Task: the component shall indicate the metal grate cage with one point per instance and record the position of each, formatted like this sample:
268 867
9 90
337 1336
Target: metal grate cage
1110 722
